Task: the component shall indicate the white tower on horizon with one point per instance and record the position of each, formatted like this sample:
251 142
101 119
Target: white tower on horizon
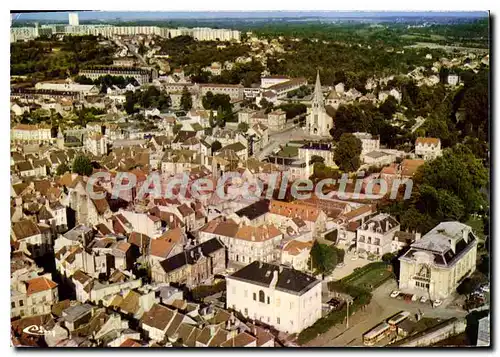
73 19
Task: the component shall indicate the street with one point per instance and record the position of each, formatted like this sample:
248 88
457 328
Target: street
380 308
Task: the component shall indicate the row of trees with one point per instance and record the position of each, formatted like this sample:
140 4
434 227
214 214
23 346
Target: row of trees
48 58
107 81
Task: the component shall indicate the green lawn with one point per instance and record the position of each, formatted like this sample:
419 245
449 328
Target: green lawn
370 276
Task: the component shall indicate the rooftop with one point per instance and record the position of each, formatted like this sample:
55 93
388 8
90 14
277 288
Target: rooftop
288 280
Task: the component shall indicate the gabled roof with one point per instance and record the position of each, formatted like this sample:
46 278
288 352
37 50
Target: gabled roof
158 317
24 229
427 141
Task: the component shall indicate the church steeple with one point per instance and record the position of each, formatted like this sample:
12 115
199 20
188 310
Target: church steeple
318 100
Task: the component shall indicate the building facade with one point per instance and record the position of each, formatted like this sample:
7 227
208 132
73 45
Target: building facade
438 262
281 297
428 148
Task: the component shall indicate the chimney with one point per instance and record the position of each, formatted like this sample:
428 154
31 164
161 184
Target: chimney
453 244
273 283
465 235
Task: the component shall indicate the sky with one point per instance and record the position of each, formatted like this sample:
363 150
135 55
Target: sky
157 15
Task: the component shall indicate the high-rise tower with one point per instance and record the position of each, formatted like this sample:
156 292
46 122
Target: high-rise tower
73 19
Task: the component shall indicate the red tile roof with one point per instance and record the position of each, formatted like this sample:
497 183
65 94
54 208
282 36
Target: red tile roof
37 285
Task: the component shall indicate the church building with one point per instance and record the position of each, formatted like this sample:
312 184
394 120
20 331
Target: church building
319 120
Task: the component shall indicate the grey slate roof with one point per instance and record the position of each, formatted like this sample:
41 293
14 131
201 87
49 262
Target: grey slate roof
289 280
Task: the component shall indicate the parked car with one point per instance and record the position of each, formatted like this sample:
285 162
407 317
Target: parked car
340 265
395 293
354 257
414 298
478 294
437 303
407 297
336 304
423 299
485 288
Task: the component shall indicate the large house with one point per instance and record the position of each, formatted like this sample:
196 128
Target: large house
281 212
284 298
428 148
438 262
245 243
375 236
33 297
369 142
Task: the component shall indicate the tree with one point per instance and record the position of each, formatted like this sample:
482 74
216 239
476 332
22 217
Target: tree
467 286
451 187
388 257
62 169
389 107
323 258
216 146
347 152
82 166
186 100
130 101
243 127
340 254
217 102
315 158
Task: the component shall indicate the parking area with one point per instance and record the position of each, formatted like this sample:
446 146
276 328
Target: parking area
449 307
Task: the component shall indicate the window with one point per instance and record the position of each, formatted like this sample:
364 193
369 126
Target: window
254 296
291 305
13 304
278 301
268 300
21 303
278 320
262 297
246 311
